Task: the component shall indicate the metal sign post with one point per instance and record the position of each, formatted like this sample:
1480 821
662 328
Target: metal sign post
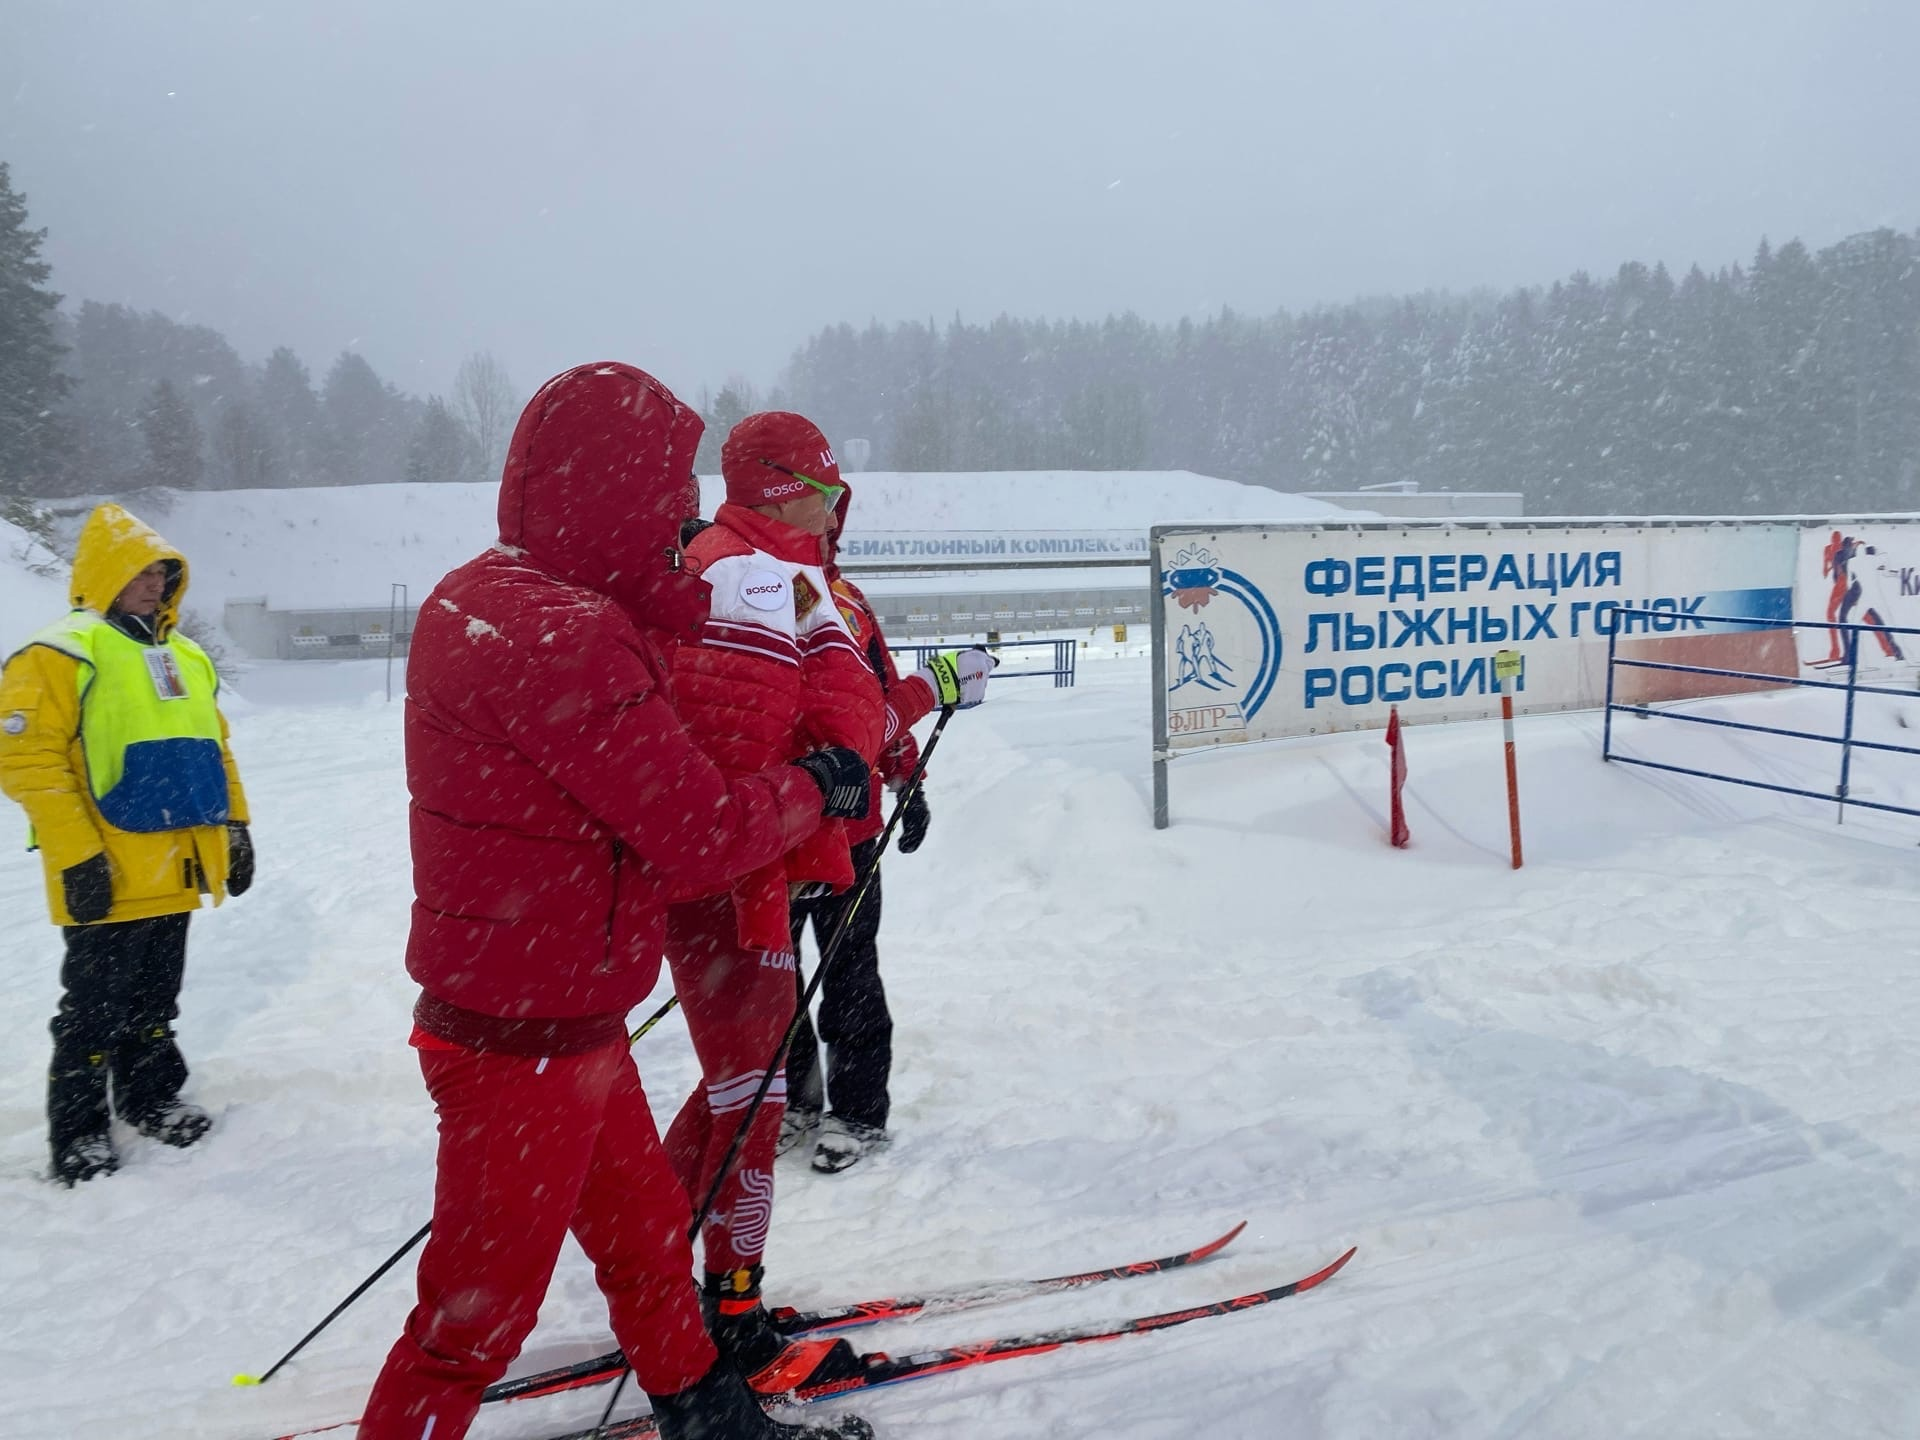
398 613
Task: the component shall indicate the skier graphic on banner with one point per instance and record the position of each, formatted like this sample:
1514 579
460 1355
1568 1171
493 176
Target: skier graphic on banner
1199 664
1837 563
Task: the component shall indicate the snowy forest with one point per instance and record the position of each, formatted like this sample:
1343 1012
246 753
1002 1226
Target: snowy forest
106 399
1786 385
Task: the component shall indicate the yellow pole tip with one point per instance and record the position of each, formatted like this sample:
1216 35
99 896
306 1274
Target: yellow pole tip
246 1379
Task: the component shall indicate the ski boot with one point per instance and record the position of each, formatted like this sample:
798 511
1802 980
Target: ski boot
720 1407
771 1363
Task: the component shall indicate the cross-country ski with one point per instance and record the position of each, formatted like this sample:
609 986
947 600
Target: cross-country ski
789 1321
880 1369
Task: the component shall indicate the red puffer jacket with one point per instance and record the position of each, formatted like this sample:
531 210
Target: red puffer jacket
774 674
543 756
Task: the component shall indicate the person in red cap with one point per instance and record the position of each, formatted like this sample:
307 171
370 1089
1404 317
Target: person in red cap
555 799
773 674
855 1023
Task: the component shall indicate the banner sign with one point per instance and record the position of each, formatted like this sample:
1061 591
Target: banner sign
991 547
1302 629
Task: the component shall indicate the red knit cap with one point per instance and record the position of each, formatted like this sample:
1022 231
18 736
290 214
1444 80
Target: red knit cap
787 440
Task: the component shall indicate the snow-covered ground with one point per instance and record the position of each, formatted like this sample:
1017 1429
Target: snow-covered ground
1628 1140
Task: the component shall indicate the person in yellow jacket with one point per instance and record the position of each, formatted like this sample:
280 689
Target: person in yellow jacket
111 741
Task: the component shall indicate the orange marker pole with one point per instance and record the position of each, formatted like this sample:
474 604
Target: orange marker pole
1506 665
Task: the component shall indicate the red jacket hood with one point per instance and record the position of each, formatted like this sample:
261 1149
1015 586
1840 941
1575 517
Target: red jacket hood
599 476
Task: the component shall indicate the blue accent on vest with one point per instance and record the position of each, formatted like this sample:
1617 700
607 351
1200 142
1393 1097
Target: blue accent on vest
169 785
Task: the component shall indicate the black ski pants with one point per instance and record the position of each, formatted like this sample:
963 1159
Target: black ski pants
121 984
854 1021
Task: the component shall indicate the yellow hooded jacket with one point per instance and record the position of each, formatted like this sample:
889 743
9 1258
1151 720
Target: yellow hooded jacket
43 763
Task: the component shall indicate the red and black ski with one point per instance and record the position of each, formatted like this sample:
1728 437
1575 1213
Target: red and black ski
602 1368
883 1369
789 1321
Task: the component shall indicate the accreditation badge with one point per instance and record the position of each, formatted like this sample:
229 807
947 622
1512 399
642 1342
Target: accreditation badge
167 683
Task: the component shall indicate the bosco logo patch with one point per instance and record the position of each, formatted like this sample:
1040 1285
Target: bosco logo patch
15 724
764 590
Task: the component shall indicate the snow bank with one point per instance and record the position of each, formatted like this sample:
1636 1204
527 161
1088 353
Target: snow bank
33 586
313 548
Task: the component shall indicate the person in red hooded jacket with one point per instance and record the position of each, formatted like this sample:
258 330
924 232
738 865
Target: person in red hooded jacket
555 798
772 674
855 1022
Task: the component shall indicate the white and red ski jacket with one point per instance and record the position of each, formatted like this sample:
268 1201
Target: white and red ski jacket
773 674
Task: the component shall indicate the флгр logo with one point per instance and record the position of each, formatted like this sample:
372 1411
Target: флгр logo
1221 663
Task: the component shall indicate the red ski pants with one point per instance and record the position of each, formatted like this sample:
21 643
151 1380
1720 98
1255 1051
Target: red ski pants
738 1004
530 1149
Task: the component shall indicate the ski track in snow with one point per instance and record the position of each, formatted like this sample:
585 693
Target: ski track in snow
1628 1140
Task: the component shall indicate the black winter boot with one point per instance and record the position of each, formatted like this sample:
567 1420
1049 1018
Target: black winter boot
76 1095
797 1127
719 1407
84 1157
743 1332
175 1122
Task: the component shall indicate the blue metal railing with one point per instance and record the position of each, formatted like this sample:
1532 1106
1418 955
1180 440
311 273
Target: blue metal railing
1065 657
1846 739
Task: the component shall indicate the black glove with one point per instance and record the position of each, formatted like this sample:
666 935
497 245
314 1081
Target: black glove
89 889
842 778
239 858
913 820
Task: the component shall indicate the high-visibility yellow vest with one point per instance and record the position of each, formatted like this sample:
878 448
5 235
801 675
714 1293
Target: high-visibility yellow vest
149 727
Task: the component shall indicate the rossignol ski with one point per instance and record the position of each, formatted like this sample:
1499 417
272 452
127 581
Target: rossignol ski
602 1368
883 1369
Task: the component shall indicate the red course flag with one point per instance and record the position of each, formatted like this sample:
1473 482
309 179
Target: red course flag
1399 749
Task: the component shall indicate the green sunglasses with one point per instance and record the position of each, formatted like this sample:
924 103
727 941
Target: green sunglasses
831 493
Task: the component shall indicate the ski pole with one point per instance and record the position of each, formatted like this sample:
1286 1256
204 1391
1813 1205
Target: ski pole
652 1020
827 954
418 1236
332 1315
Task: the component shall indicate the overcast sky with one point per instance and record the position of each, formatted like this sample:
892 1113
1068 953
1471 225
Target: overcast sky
697 188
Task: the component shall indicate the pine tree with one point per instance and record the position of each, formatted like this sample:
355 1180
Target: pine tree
34 443
733 404
291 413
244 452
367 425
443 450
118 355
174 459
